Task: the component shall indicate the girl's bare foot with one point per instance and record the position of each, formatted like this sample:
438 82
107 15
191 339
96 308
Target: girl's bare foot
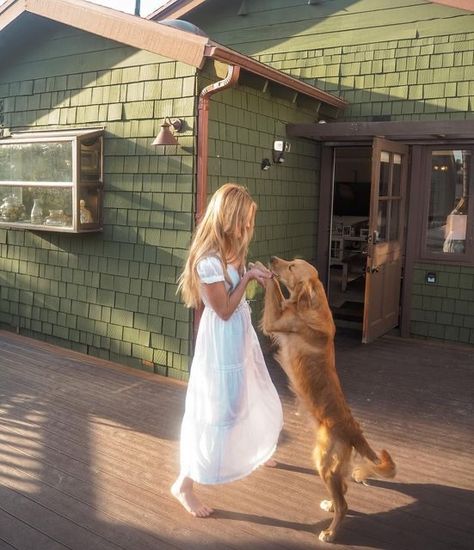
271 463
184 493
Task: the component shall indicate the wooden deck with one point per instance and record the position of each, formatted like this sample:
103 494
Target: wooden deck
88 450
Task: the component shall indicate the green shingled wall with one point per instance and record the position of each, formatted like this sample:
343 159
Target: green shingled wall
391 60
110 294
244 122
404 59
444 310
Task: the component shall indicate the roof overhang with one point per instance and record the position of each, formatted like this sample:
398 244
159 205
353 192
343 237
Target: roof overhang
112 24
154 37
399 130
174 9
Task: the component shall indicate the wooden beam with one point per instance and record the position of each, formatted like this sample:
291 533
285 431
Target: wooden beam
114 25
402 130
154 37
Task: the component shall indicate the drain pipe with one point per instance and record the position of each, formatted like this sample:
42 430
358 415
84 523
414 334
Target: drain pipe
233 72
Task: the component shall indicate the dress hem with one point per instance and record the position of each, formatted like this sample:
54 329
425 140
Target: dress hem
234 478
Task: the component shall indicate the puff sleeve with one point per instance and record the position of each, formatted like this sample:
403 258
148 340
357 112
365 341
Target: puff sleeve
210 270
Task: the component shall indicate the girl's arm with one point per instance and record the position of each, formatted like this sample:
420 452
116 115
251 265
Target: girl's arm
225 303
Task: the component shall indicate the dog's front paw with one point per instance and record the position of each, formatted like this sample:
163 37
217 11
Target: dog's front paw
326 536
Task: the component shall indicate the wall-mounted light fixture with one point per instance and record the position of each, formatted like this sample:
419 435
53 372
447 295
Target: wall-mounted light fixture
265 164
280 147
165 136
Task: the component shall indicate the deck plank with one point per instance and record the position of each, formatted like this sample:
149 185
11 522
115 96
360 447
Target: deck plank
88 450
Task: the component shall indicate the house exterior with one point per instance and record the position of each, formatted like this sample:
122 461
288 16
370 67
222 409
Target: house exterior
406 69
81 102
350 124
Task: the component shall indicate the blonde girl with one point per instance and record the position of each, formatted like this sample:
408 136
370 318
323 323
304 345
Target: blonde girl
233 414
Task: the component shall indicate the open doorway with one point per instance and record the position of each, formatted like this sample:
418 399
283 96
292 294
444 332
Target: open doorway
349 234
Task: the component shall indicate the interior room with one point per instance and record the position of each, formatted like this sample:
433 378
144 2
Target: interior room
350 223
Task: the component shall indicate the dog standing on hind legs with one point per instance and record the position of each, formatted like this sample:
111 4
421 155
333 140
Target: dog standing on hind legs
303 328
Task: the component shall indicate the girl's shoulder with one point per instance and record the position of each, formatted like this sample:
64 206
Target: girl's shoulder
210 269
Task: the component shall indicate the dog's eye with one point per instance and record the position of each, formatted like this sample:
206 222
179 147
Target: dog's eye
291 266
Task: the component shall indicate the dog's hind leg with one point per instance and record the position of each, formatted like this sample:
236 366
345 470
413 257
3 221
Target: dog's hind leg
331 462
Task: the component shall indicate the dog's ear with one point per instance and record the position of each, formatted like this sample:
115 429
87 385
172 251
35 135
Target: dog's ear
306 296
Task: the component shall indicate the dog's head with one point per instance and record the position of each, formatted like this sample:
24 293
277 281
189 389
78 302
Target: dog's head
300 278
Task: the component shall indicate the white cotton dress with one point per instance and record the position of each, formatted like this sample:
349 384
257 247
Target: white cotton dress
233 415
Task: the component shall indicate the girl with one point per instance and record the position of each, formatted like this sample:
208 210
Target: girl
233 414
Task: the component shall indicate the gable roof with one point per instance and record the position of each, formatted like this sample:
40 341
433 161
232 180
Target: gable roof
177 8
152 36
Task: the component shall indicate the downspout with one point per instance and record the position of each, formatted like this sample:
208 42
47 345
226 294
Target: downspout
233 72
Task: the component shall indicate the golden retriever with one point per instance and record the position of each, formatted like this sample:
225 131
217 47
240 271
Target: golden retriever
303 328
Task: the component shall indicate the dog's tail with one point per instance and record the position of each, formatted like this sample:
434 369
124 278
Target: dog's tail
382 466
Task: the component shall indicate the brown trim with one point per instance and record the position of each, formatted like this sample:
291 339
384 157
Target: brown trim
415 204
424 183
121 27
152 36
325 213
229 81
226 55
407 131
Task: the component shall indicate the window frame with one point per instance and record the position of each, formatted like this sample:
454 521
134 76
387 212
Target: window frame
82 180
423 175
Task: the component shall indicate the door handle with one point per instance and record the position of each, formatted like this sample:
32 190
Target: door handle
374 269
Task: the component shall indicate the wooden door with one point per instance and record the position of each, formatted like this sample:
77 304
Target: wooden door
386 236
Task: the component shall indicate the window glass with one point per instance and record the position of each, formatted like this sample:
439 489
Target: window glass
41 162
381 235
394 221
449 196
397 175
384 174
38 205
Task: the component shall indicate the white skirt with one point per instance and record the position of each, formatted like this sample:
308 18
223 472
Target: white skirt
233 415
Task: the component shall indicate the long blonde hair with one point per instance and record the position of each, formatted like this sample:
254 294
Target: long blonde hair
225 232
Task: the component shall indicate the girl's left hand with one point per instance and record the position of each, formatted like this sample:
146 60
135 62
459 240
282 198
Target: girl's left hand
260 276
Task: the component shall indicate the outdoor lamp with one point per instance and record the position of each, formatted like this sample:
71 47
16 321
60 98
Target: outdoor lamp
280 147
165 136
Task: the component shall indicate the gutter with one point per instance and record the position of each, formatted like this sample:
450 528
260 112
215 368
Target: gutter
226 55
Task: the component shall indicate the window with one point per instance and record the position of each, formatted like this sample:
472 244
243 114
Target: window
449 218
52 181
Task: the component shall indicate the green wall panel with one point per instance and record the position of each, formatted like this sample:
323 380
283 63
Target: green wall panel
403 59
444 310
110 294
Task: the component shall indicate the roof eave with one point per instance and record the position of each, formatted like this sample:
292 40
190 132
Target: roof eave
114 25
226 55
152 36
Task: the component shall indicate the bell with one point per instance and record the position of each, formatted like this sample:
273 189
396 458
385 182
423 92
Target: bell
165 137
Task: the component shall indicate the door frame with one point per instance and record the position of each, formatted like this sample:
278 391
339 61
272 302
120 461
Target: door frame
325 223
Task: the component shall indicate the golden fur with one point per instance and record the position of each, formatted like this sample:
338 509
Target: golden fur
303 328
